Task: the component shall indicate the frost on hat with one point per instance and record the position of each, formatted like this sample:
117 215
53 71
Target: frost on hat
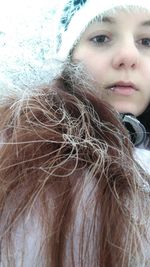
77 14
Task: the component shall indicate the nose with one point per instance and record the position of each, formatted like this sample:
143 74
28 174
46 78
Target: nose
126 56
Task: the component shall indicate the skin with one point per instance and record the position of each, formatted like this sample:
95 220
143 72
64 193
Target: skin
116 50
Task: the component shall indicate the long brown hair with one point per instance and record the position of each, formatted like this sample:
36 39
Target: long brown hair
67 170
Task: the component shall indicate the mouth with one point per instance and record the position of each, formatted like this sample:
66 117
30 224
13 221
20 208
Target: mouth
122 88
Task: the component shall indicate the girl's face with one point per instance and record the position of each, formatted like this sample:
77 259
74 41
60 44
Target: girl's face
116 51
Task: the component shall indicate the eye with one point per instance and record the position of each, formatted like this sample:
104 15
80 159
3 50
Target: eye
145 42
100 39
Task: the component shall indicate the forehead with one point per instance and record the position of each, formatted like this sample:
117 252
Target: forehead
118 16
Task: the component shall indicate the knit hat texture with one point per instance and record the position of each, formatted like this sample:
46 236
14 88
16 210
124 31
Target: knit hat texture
77 14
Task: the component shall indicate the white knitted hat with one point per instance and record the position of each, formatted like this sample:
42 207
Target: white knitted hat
78 13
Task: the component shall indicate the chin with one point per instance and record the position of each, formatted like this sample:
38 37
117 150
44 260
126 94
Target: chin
126 109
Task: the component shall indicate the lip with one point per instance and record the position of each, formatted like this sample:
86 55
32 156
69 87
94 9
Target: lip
123 88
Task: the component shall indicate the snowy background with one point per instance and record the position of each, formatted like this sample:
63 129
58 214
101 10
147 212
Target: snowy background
27 31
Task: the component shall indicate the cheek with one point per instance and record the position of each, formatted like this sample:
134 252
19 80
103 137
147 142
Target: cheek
146 75
145 70
95 63
96 66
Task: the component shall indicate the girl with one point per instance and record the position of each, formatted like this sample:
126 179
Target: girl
72 190
116 43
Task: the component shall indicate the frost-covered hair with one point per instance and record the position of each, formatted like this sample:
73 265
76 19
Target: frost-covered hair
71 193
77 15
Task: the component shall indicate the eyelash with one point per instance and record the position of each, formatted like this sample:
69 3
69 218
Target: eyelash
145 39
100 40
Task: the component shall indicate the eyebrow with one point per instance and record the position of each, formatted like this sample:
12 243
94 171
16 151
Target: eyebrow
145 23
112 20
